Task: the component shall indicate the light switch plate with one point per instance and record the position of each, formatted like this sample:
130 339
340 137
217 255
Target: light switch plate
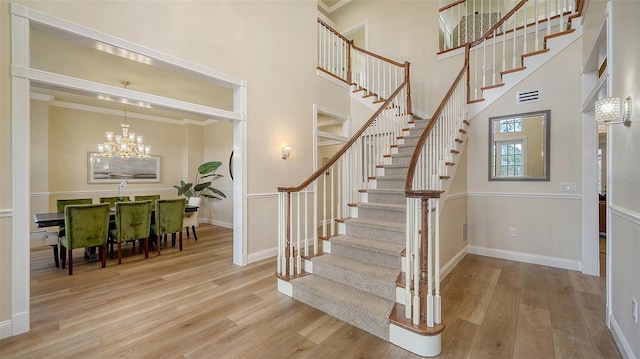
568 187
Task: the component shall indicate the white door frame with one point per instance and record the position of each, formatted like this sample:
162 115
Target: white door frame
21 77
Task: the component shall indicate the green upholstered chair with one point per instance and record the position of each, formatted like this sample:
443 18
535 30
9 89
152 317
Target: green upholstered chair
112 200
133 222
152 197
169 219
60 204
87 225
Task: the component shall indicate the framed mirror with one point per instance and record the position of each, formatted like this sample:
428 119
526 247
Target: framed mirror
519 147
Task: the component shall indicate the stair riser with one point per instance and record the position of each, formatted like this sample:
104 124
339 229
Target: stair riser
362 254
405 150
351 315
400 159
411 140
382 214
385 183
386 198
396 171
356 280
381 234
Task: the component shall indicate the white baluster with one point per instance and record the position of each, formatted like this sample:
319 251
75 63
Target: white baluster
515 28
298 226
436 255
407 258
537 47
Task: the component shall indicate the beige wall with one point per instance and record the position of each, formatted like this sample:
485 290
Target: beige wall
524 205
275 58
405 31
218 144
624 185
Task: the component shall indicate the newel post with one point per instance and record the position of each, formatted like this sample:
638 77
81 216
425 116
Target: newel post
408 79
424 270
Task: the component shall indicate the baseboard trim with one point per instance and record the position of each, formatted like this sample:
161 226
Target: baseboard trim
621 341
527 258
452 263
258 256
6 329
216 222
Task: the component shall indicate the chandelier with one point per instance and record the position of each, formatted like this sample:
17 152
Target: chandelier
127 145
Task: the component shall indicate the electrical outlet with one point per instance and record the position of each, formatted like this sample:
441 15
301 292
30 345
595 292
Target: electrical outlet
512 232
634 310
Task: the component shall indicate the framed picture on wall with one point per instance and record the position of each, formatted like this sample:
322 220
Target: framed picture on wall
115 170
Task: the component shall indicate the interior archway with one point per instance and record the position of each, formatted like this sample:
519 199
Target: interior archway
23 75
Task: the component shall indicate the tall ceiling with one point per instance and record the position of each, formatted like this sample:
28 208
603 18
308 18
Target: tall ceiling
104 64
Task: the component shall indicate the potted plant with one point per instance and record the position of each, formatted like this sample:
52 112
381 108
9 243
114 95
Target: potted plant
202 188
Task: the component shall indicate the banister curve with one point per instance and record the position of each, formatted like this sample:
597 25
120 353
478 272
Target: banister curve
423 137
346 146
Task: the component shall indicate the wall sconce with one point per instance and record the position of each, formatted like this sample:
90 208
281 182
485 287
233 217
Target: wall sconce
286 152
609 111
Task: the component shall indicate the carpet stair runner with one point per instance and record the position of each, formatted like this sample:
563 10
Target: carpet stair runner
356 282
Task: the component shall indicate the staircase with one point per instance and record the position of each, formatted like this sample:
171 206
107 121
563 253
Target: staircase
373 208
356 281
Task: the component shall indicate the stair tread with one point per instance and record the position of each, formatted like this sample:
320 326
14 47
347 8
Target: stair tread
346 295
386 190
386 206
374 271
363 310
370 244
391 177
396 165
393 226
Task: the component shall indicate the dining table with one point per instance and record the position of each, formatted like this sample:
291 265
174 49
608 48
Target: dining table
56 219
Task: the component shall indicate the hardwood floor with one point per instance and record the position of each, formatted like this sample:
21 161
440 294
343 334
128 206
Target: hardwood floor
197 304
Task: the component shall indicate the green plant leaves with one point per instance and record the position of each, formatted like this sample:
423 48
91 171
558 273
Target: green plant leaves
203 189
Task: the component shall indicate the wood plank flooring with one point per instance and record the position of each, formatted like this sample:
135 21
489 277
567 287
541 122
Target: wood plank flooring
197 304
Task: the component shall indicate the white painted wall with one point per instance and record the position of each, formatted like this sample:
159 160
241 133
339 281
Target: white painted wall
547 221
240 38
624 183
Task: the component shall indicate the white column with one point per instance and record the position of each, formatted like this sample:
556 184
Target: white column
20 263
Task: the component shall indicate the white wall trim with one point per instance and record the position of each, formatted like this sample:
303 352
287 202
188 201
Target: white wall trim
621 341
527 195
556 262
130 114
267 253
6 213
627 214
22 19
5 329
262 195
333 80
452 263
456 196
216 222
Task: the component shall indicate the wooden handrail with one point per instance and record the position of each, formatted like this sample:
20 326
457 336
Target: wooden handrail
333 30
416 152
498 24
451 5
378 56
346 146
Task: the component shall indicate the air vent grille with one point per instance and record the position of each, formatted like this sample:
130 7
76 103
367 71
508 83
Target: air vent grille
528 96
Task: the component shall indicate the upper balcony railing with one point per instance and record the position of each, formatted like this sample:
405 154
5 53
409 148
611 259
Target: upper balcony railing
365 70
466 21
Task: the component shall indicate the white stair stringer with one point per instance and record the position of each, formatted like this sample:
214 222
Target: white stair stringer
531 63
